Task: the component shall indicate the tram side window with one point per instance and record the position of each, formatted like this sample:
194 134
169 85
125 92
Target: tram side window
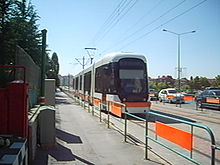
98 80
77 82
104 81
73 83
87 82
80 83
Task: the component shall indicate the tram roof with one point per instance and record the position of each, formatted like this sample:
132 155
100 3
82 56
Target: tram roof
115 57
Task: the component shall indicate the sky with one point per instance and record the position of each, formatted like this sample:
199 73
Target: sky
135 26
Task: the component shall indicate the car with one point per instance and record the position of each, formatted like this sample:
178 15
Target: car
212 88
209 98
153 94
170 95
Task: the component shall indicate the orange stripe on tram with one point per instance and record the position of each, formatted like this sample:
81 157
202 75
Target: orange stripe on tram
177 136
138 104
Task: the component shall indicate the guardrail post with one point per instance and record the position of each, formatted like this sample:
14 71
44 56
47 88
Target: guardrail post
88 106
196 106
92 110
213 154
125 130
108 114
84 104
191 151
100 112
146 134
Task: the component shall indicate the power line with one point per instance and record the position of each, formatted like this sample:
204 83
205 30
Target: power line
109 19
143 27
122 11
112 26
146 14
140 37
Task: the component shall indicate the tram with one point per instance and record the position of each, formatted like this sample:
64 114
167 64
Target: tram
117 77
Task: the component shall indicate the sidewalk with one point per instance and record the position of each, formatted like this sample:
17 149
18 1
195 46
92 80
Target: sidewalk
82 139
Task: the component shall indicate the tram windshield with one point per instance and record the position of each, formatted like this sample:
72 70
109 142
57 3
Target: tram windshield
132 81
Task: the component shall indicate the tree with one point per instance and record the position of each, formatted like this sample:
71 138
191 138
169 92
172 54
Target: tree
198 83
160 85
26 30
204 82
5 29
18 27
217 81
185 87
55 63
53 68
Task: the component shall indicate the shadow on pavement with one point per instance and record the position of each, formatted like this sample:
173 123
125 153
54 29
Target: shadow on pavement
62 101
59 152
67 137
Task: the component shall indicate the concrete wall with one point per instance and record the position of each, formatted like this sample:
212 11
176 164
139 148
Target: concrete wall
41 129
50 92
33 130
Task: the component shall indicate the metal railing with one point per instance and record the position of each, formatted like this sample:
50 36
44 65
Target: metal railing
190 158
213 146
108 109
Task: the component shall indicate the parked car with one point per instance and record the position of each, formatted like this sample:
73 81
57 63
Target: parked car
170 95
153 94
210 97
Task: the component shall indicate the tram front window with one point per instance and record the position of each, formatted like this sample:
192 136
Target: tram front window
132 81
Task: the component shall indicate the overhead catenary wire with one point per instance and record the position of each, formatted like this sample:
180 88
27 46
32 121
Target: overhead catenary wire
146 25
145 15
158 27
121 13
116 22
109 19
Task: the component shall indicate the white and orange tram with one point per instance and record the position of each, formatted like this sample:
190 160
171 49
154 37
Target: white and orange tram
117 77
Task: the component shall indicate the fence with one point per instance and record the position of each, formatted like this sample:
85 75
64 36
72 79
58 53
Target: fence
177 136
32 74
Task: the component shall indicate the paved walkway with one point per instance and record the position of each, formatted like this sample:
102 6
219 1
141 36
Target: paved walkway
82 139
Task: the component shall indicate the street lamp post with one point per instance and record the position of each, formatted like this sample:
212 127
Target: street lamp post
178 54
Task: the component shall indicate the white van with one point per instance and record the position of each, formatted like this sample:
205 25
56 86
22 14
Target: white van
170 95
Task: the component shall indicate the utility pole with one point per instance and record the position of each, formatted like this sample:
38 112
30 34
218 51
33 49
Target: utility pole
91 56
83 62
43 59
